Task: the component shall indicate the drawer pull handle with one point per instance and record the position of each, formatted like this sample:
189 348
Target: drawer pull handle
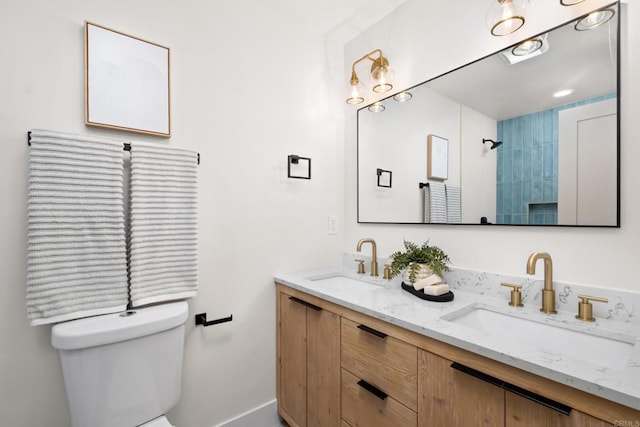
306 304
541 400
372 331
373 390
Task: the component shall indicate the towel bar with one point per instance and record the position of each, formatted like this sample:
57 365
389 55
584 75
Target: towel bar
126 147
201 319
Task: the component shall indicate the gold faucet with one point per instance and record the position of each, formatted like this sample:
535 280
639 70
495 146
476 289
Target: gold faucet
374 255
548 294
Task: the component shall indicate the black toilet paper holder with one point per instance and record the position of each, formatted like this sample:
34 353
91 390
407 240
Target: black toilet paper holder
201 319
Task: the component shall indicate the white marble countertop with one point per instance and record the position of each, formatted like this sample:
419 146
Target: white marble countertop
387 301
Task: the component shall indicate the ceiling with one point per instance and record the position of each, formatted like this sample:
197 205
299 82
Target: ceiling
584 61
329 15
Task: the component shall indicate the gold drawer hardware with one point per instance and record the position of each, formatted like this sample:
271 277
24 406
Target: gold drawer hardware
516 295
585 309
360 266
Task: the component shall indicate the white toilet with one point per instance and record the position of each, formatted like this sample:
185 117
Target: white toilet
123 369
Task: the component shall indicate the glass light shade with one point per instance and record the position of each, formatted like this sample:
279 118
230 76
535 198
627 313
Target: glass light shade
594 19
355 92
570 2
376 107
382 79
506 16
527 47
403 96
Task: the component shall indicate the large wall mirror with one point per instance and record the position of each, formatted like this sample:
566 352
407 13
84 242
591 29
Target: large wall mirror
526 136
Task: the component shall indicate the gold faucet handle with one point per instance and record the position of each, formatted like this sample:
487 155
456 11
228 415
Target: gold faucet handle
387 272
516 295
585 309
360 266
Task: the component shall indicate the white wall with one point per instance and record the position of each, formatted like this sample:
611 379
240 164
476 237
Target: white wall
424 39
251 83
396 140
478 189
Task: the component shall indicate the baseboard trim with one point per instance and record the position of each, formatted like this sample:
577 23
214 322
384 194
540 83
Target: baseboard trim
261 416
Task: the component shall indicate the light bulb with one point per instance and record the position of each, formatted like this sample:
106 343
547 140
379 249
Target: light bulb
506 16
382 80
355 93
563 92
376 107
527 47
403 96
594 19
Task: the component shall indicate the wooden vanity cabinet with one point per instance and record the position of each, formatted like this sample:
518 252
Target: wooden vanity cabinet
379 377
338 367
448 396
308 354
524 412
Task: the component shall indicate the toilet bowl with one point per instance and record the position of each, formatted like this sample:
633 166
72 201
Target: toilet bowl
123 369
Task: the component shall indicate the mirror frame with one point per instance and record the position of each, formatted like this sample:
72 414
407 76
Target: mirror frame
618 129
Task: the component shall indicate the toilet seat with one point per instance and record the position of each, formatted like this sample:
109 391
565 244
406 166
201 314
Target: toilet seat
161 421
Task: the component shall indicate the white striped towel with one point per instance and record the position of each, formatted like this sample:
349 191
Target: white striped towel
435 203
163 262
426 203
76 250
453 204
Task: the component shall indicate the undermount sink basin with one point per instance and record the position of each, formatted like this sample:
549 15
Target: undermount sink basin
340 280
550 339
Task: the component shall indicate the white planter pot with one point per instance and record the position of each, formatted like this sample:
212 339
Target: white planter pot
423 273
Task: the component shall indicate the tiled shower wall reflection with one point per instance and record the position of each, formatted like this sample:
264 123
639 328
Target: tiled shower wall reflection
527 169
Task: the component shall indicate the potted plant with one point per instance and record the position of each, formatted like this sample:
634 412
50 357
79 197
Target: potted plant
419 261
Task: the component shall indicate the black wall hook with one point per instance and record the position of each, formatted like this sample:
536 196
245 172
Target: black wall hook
201 319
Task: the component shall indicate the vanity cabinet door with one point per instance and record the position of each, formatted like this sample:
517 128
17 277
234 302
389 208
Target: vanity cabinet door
524 412
308 346
449 397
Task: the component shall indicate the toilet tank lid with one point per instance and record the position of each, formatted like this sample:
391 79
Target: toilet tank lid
116 327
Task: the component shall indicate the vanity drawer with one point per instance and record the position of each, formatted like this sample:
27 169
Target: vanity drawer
362 408
382 360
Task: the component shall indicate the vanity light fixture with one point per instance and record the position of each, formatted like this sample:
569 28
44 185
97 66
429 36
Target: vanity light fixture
506 16
381 77
527 47
526 50
376 107
494 144
403 96
563 92
594 19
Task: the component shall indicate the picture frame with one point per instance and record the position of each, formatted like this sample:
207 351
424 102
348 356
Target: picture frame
127 82
437 157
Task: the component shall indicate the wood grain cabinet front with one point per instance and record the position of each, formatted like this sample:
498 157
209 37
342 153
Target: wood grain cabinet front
524 412
308 372
363 408
449 397
382 360
340 368
460 396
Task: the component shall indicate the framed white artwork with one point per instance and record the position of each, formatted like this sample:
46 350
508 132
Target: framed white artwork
437 157
127 82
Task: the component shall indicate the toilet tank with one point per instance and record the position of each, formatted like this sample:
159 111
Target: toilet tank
122 369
